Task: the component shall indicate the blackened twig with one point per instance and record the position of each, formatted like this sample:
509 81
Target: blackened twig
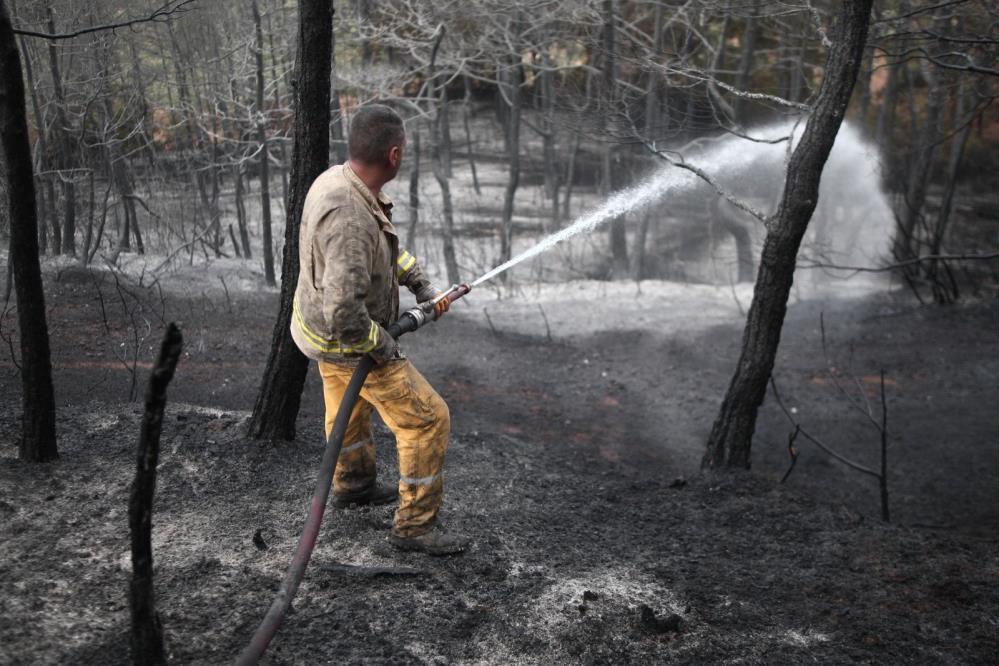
147 633
793 452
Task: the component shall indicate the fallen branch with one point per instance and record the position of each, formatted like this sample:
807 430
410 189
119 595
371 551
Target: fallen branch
147 633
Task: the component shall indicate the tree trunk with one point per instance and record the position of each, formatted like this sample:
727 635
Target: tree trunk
746 62
265 176
38 437
440 173
513 156
468 135
280 394
618 237
549 136
886 115
651 119
570 178
43 150
339 139
726 215
731 435
244 235
147 633
907 238
942 292
414 191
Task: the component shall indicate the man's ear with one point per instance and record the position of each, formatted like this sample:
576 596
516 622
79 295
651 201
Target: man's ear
395 155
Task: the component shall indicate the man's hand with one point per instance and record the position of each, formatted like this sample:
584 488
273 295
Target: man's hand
441 307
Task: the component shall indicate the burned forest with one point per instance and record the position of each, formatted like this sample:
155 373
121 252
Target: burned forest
499 332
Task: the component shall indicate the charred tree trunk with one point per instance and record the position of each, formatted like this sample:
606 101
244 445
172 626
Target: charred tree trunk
280 394
468 134
244 235
147 633
265 175
907 237
728 218
732 432
618 237
414 191
514 75
64 145
38 437
549 136
746 62
43 150
338 137
652 106
436 162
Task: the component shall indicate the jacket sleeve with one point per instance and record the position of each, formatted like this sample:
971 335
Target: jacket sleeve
348 245
411 276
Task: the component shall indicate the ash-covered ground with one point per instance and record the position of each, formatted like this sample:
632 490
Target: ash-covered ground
573 466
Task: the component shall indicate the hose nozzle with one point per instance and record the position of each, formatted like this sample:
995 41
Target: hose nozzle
455 292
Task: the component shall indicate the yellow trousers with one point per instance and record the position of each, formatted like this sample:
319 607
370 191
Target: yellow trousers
420 420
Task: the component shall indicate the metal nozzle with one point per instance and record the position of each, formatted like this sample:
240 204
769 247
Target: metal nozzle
455 292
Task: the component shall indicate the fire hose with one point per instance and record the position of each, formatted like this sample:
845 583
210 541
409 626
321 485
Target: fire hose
408 322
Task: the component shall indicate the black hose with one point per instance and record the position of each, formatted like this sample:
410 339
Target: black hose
307 541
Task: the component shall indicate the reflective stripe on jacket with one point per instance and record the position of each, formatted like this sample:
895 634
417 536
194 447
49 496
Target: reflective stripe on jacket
350 267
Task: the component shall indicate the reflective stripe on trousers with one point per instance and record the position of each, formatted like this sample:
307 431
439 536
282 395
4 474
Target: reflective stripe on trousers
420 420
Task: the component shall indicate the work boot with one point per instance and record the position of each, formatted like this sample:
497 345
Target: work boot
434 542
380 493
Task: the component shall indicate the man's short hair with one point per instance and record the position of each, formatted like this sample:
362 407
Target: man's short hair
374 129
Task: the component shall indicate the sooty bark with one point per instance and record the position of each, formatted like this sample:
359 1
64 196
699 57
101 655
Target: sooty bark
147 633
280 393
38 437
732 432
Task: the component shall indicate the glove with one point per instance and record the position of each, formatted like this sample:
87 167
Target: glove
387 347
441 307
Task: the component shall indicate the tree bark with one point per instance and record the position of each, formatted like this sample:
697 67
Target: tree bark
339 139
38 436
651 120
746 62
468 135
731 435
414 190
440 172
513 156
244 235
265 176
43 149
907 239
618 237
280 393
147 633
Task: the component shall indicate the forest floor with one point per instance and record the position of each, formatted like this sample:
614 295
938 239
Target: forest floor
580 413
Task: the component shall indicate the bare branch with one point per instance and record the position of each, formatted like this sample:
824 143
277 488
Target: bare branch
162 14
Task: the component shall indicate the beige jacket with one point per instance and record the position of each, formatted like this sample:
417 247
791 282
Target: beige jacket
350 269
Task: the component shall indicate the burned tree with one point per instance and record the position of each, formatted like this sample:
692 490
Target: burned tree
265 174
147 633
280 393
732 432
38 438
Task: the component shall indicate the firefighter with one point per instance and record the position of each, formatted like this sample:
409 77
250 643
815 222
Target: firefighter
351 267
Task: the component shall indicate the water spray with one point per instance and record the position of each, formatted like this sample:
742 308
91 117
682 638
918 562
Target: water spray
724 156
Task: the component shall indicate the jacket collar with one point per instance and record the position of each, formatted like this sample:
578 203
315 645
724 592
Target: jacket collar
381 205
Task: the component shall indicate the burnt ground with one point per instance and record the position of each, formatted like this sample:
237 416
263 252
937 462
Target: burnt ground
574 468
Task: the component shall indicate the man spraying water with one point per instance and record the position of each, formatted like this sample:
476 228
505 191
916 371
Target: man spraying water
347 297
